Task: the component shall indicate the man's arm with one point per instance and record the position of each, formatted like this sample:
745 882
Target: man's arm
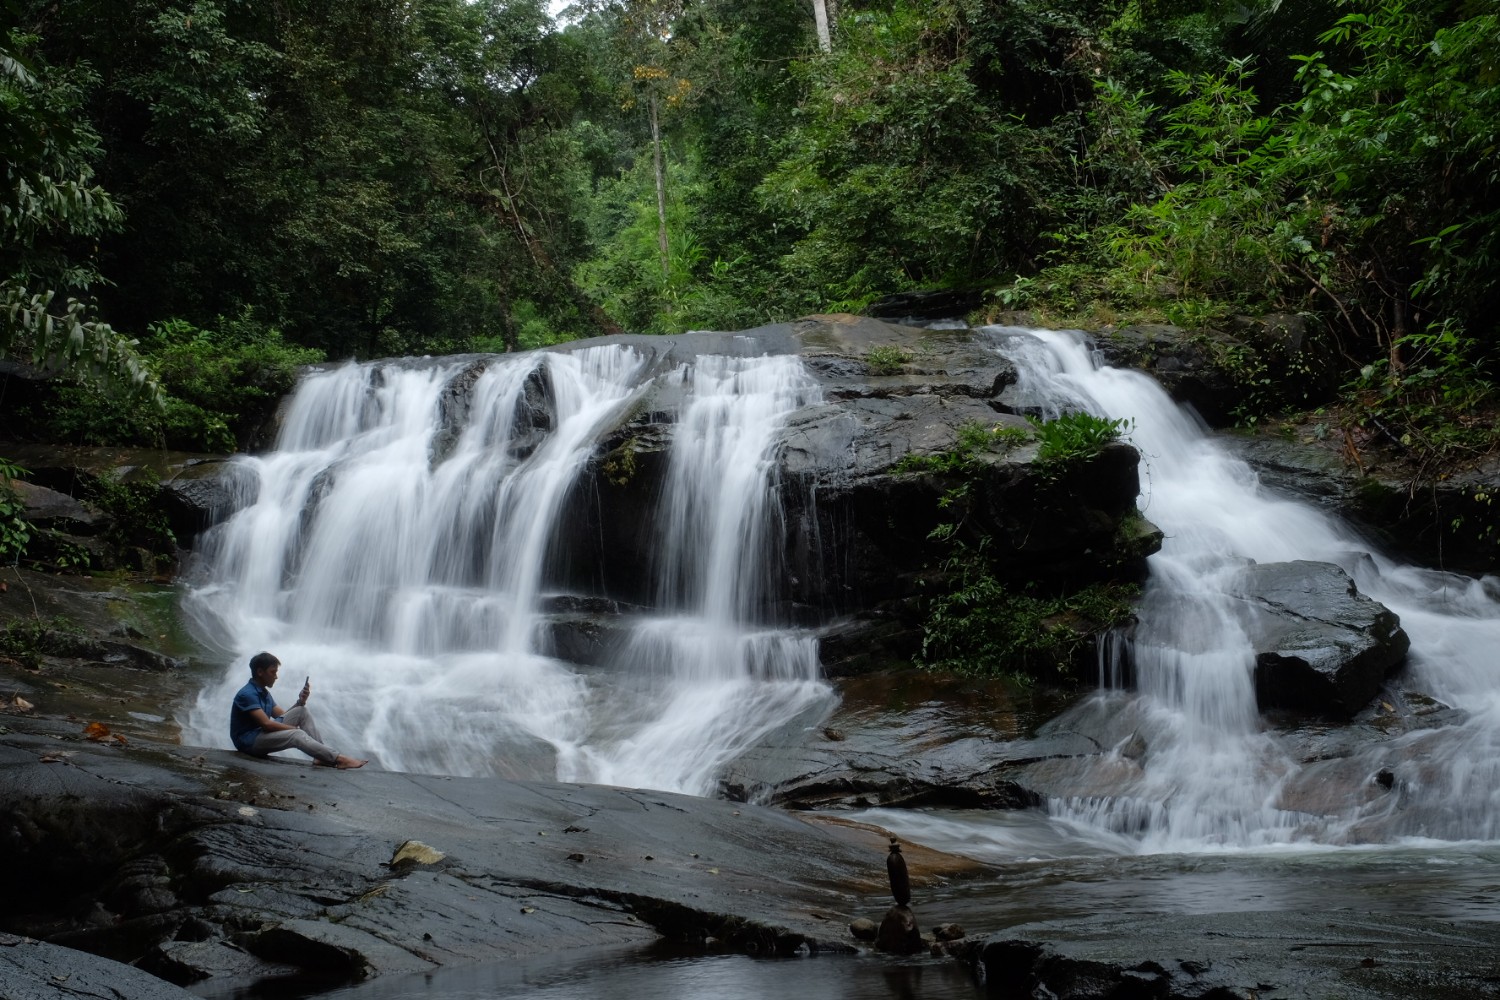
267 723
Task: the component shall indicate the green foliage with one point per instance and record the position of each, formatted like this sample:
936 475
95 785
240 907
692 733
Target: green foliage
1436 404
217 386
1231 228
1073 438
15 530
903 169
983 627
48 203
137 519
27 640
886 360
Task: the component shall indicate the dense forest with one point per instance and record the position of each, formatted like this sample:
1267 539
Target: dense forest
202 194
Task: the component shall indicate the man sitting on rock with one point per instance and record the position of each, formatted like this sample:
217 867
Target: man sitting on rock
258 726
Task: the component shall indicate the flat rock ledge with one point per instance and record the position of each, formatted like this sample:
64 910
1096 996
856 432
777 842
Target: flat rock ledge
201 865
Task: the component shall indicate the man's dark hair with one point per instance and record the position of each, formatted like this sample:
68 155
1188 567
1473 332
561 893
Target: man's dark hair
261 661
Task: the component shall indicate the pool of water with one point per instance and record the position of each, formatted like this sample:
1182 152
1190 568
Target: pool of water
656 973
1045 870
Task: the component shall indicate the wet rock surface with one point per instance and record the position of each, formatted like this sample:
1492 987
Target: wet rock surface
35 970
1288 956
911 739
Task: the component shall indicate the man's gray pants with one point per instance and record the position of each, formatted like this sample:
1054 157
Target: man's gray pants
304 738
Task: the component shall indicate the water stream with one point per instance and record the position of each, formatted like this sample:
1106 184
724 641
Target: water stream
401 538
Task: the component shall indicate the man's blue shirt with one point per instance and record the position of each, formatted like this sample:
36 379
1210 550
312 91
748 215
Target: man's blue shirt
242 728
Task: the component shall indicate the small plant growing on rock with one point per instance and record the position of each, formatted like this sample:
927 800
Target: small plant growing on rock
1074 437
886 360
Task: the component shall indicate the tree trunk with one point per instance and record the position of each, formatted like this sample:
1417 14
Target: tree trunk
661 189
820 13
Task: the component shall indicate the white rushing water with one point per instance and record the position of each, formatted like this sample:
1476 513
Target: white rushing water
401 562
1212 776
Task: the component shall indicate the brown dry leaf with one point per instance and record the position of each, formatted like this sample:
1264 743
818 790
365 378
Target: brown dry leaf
121 740
50 759
20 704
96 731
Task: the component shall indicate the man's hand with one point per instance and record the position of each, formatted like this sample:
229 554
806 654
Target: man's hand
306 690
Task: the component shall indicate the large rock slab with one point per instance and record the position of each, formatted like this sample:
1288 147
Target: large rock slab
1320 645
36 970
131 850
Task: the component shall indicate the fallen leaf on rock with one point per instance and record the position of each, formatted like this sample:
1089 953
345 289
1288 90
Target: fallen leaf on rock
51 759
96 731
528 909
120 739
713 871
20 704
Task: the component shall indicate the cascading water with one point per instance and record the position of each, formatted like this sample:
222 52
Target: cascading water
400 560
1212 776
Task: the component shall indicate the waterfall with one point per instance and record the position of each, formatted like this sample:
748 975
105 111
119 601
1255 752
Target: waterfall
1214 776
705 682
404 531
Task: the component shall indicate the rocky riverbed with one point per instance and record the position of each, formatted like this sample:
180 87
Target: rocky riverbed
206 868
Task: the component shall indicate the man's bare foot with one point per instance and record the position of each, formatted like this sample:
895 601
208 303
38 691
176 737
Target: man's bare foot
344 763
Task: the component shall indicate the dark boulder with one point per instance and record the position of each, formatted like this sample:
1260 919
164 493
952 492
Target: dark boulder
1320 645
898 933
204 493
